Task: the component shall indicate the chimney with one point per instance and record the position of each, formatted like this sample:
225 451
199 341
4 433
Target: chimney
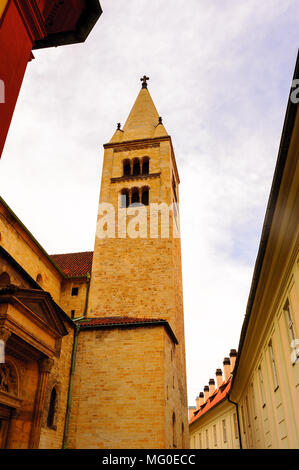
226 368
233 357
201 398
212 386
191 410
219 377
206 392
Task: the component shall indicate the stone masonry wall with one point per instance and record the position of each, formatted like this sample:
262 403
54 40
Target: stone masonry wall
118 394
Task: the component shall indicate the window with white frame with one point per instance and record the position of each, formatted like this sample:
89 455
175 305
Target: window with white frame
294 342
224 430
215 435
247 411
235 426
273 365
262 390
200 441
207 439
253 401
243 419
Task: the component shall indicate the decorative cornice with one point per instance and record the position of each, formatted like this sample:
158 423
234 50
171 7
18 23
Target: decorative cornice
135 177
10 400
32 19
88 324
136 144
129 148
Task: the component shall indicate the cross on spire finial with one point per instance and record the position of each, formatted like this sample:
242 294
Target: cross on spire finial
144 81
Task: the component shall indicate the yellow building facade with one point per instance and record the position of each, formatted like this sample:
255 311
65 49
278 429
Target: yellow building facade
265 382
94 341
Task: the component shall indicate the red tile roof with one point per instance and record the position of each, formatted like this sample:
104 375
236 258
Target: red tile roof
219 395
74 264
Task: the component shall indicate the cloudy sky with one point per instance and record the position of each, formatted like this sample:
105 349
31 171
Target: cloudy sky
220 73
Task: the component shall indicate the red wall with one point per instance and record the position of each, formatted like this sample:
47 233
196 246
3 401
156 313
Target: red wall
15 51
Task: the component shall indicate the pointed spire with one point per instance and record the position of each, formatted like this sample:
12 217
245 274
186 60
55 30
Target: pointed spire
143 121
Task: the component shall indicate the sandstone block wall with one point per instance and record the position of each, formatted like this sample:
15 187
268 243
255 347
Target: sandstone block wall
51 438
119 389
15 240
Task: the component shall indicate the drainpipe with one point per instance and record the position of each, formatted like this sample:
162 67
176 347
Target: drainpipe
69 398
87 294
237 410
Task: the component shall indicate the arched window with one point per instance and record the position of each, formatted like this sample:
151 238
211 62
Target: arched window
127 167
145 166
4 279
125 199
136 166
39 279
52 408
145 196
135 196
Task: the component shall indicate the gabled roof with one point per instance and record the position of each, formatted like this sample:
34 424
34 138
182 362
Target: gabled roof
218 396
74 264
39 302
33 284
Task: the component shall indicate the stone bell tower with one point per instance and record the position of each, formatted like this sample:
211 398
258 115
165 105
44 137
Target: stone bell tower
131 347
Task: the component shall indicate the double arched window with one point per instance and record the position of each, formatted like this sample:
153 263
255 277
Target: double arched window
136 166
135 196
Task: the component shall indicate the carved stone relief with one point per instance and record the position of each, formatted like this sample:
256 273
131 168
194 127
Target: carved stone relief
8 379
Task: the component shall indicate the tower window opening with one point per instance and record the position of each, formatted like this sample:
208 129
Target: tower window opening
145 196
125 199
135 196
72 313
174 189
136 166
127 167
145 166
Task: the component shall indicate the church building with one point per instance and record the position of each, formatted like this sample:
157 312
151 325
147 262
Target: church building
93 342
